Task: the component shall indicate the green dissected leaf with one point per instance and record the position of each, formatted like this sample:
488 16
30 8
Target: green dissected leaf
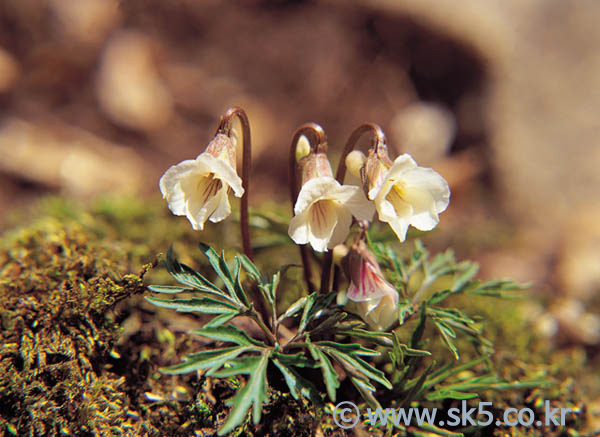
271 288
204 305
353 348
396 354
329 321
219 265
267 288
237 284
168 289
449 370
310 301
294 308
409 352
415 386
297 384
382 338
356 366
466 389
415 339
297 360
221 319
405 309
448 315
318 306
417 258
463 279
227 333
251 268
400 350
442 394
210 359
240 366
439 296
253 394
497 288
366 390
447 335
329 373
187 276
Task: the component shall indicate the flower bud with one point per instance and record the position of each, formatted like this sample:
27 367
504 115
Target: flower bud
339 252
373 298
355 161
302 148
315 165
374 170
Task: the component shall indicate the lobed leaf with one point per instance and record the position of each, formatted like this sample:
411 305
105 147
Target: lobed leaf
354 364
167 289
253 394
297 384
447 335
204 305
187 276
222 270
210 359
229 334
330 376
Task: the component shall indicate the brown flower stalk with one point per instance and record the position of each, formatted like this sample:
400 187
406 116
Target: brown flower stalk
320 139
379 143
225 126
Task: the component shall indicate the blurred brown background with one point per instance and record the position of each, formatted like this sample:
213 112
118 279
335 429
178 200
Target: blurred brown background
502 98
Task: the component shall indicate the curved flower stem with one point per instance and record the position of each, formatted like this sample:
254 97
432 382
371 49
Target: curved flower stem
225 127
380 145
321 140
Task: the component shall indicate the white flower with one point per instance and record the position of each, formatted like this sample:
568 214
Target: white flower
374 299
409 195
324 210
380 313
199 188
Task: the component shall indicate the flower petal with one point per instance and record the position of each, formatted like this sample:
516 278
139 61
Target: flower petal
198 211
385 313
342 228
170 185
354 198
399 224
314 189
298 229
322 220
223 208
402 164
223 171
424 216
429 180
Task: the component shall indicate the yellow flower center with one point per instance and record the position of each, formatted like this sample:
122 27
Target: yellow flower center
396 198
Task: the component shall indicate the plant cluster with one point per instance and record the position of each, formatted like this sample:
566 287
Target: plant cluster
369 330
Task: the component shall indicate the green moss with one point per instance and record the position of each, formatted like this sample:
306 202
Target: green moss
76 364
82 349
